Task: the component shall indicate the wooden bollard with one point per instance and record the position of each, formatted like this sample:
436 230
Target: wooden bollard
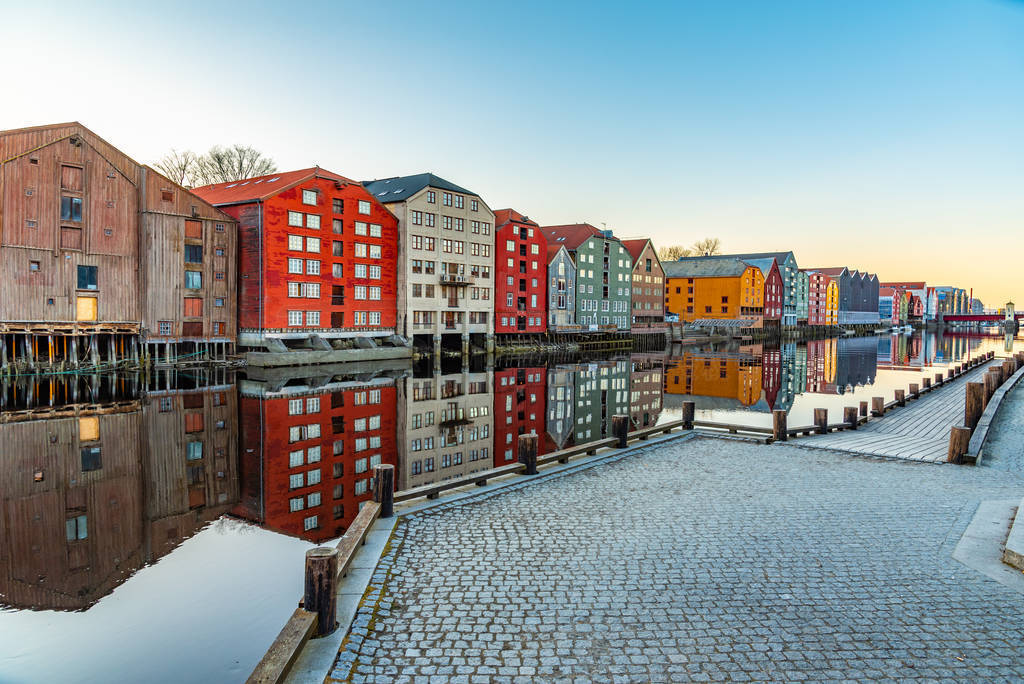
384 488
997 371
528 451
959 438
938 379
950 374
821 420
779 429
991 383
321 594
620 428
901 397
877 406
915 391
863 408
689 409
850 417
926 383
974 403
1009 368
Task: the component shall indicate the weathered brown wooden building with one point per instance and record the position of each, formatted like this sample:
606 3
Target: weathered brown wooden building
103 259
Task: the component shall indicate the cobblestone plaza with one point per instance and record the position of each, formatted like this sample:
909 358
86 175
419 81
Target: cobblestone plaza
696 560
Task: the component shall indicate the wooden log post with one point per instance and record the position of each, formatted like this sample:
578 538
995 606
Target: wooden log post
901 397
528 452
878 406
991 383
915 391
689 408
780 430
863 409
926 383
1009 368
974 403
384 488
850 417
321 595
950 373
959 438
821 420
938 379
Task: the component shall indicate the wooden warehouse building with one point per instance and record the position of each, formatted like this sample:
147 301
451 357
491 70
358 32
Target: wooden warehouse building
104 260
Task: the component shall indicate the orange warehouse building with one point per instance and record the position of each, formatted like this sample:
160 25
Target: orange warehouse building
714 287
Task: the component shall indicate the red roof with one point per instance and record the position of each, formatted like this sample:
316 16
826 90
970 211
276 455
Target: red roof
832 271
572 235
503 216
261 187
553 250
635 247
909 285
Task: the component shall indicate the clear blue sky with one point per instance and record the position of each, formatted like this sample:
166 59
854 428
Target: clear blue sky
885 135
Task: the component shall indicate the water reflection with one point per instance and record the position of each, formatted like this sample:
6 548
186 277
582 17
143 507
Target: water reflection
101 478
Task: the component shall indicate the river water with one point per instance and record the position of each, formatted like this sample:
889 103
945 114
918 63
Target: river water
152 528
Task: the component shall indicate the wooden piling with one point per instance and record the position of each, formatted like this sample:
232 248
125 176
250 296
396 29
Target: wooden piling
863 409
850 417
321 595
821 420
959 438
877 406
779 428
688 413
974 403
991 384
384 488
620 429
926 383
915 391
1009 368
950 374
901 397
528 452
938 379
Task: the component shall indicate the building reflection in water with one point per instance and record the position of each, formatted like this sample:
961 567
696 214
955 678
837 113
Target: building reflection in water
102 475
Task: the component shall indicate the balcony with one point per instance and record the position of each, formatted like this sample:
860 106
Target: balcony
452 417
455 279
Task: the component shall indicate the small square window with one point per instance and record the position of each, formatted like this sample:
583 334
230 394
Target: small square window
33 265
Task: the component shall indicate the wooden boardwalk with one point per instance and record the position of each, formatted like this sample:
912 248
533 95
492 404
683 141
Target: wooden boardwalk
918 431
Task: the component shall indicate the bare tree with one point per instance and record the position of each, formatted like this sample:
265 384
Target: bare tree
180 167
674 252
223 164
707 247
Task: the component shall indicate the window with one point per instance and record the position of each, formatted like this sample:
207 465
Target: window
313 477
417 218
312 318
193 280
313 500
431 196
309 197
194 451
77 528
295 218
313 245
312 267
295 459
447 199
375 230
71 209
374 272
360 250
361 228
313 405
338 226
374 318
337 271
474 205
375 293
359 270
87 277
295 265
364 207
429 219
164 328
313 221
294 318
310 523
295 481
360 487
295 504
193 254
295 243
92 458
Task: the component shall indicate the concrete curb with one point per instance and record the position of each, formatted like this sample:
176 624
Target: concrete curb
979 547
975 449
1013 554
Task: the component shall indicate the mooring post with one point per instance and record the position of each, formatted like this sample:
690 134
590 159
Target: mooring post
974 403
915 391
689 408
926 384
779 429
950 374
528 452
321 595
620 429
1009 368
901 397
821 420
850 417
863 408
384 488
959 438
991 380
877 406
938 379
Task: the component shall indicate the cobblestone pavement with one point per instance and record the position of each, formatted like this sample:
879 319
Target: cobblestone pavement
700 560
1004 448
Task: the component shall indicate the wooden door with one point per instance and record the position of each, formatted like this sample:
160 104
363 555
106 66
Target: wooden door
86 309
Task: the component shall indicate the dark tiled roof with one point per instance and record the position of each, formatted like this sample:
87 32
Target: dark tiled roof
704 267
778 256
401 188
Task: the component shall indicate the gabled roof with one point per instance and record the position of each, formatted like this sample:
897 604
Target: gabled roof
571 235
778 256
503 216
906 285
401 188
261 187
765 264
553 250
830 271
635 247
704 267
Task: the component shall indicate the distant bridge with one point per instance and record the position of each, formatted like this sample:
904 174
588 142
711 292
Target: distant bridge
978 318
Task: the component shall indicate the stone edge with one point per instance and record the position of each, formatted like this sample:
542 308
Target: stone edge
1013 554
975 448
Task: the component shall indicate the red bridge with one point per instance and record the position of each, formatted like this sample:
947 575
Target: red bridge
977 318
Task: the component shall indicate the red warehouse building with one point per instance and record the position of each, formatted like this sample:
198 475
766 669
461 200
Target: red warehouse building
774 292
308 453
519 404
317 256
520 274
